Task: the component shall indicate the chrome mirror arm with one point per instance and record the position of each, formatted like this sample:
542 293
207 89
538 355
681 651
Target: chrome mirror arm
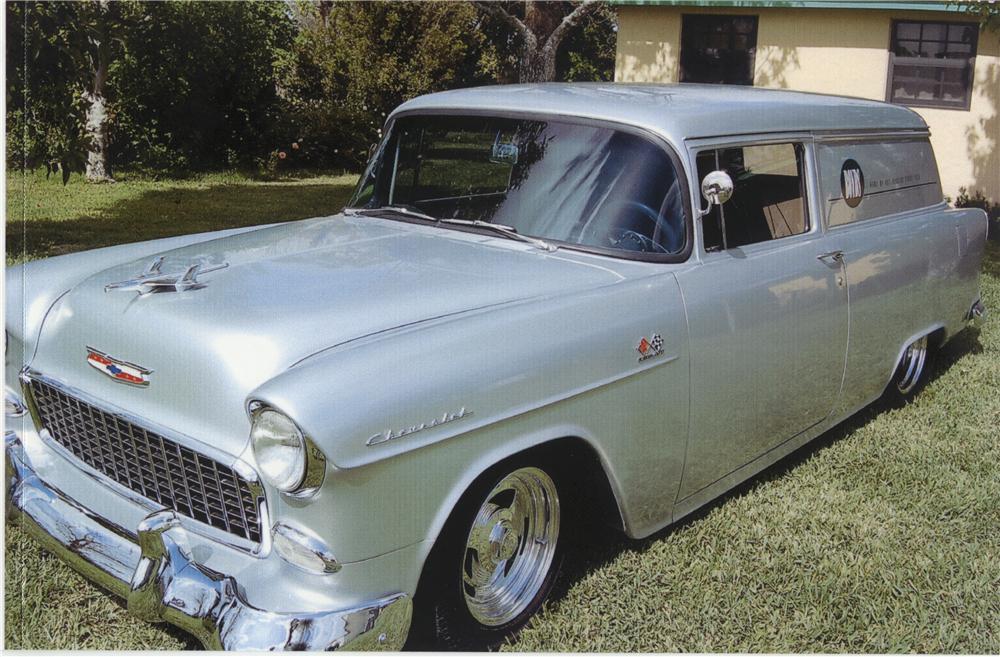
717 188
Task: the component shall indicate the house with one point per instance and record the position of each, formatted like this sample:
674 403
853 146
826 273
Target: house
926 55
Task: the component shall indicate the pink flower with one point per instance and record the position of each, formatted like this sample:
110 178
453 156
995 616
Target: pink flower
282 155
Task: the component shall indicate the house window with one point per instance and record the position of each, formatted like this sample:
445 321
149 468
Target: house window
718 49
932 64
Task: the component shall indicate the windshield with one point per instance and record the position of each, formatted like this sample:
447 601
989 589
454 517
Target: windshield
574 184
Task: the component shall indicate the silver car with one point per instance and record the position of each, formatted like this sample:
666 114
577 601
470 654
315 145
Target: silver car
545 304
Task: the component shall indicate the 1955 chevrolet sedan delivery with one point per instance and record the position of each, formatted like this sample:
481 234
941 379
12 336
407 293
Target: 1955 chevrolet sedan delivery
543 302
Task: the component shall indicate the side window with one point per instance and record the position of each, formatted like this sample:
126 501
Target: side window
768 200
866 180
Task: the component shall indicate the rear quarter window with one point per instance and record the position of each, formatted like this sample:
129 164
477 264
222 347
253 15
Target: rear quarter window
866 180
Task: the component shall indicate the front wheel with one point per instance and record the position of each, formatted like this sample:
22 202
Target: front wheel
495 563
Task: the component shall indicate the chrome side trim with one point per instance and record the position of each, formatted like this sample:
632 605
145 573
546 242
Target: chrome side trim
244 469
875 134
157 574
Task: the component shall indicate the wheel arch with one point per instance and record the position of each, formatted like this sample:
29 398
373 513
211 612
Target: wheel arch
936 334
577 462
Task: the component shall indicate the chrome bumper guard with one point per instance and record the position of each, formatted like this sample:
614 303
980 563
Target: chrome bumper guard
154 571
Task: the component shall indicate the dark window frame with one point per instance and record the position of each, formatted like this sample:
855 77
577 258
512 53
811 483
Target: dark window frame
931 63
686 26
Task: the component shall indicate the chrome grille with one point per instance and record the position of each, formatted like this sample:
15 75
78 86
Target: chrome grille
155 467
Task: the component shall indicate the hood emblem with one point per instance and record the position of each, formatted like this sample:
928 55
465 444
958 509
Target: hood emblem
154 280
119 370
393 434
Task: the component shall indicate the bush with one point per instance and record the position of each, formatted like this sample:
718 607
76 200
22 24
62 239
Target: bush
977 199
351 63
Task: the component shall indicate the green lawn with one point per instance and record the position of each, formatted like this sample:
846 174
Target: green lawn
882 536
45 218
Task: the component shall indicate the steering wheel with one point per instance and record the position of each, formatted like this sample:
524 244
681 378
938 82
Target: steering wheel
631 240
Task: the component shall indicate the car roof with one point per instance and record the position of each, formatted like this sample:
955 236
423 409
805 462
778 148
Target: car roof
681 111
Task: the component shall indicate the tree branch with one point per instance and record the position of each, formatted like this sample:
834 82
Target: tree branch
494 9
571 20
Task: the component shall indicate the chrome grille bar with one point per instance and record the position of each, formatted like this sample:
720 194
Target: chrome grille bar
157 468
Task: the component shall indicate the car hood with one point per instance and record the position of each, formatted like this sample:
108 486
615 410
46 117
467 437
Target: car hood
286 292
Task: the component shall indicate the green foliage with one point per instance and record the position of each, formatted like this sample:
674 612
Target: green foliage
986 11
192 85
588 53
977 199
352 63
195 86
46 76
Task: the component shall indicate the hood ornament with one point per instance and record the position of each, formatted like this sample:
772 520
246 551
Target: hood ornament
154 280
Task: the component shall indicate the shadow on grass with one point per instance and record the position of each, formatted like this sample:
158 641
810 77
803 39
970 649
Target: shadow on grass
174 211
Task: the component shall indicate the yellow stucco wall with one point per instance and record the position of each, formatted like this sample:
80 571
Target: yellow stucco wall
839 52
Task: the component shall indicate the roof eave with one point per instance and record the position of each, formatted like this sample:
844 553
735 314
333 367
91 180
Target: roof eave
913 5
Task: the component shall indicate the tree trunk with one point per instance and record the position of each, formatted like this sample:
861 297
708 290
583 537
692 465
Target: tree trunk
538 60
545 25
98 167
538 65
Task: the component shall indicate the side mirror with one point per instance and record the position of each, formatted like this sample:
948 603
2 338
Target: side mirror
717 188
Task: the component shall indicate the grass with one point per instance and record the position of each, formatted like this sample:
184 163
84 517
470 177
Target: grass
45 218
881 536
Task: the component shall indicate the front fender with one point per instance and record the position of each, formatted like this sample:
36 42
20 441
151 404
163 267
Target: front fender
524 373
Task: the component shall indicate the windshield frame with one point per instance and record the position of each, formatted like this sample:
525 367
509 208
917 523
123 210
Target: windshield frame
678 163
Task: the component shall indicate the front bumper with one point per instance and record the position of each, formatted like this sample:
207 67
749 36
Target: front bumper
154 570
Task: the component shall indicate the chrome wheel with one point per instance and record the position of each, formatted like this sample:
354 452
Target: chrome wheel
510 547
911 368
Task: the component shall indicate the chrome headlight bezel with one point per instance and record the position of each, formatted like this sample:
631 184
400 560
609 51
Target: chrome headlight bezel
310 467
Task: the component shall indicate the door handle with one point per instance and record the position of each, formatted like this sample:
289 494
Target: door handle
832 256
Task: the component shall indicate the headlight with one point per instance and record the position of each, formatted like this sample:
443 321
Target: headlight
279 448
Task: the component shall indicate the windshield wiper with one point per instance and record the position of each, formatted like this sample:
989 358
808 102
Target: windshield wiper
398 209
507 231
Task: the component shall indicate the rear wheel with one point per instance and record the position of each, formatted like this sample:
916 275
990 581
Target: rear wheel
495 563
912 372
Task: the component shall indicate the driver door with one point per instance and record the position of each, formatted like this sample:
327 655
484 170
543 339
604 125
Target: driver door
767 313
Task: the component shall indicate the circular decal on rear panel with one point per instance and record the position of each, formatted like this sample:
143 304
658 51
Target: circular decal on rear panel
852 183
